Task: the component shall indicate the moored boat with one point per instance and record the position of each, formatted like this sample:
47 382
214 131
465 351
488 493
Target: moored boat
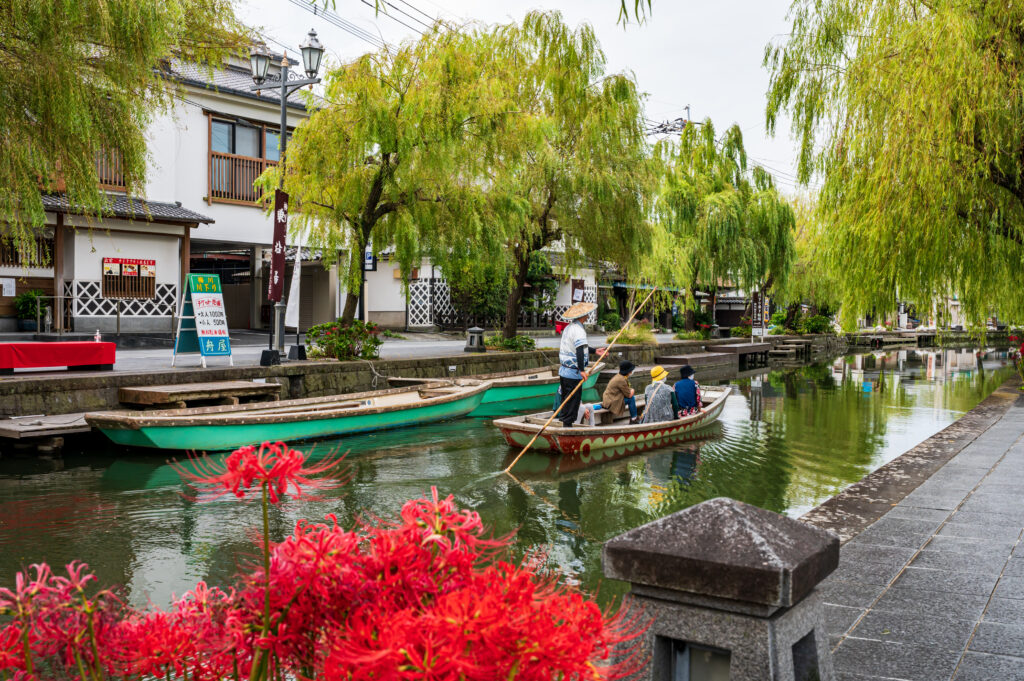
519 430
511 390
227 427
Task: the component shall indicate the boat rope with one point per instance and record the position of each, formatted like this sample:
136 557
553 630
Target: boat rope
376 375
580 383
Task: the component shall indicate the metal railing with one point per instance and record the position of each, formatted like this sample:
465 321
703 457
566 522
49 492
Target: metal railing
232 176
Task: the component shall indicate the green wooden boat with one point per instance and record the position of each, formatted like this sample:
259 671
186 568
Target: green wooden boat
511 391
228 427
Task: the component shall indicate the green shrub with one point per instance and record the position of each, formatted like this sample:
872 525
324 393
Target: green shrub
338 340
514 344
776 331
610 321
778 318
636 334
388 333
678 322
689 335
816 324
28 303
741 331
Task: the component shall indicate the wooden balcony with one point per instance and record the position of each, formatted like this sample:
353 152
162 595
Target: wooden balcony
232 176
38 253
110 171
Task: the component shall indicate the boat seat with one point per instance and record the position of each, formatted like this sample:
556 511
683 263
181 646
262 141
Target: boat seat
437 392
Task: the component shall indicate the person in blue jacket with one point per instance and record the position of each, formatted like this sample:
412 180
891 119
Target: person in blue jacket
687 392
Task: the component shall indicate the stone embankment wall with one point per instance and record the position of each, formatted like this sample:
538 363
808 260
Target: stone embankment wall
70 393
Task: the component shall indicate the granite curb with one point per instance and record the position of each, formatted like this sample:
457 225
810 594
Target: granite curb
851 511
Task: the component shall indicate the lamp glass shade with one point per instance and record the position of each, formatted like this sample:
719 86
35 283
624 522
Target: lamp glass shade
312 53
259 62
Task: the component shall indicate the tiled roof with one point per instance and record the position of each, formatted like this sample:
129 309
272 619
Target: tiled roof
132 209
233 80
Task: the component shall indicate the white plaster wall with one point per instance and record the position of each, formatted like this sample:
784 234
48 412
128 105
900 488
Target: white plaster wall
178 165
383 291
90 250
564 295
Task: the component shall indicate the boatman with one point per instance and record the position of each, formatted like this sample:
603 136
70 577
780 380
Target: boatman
573 358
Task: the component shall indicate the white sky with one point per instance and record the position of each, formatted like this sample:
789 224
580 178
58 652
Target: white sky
705 54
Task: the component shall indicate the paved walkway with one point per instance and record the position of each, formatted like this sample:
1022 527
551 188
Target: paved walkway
934 589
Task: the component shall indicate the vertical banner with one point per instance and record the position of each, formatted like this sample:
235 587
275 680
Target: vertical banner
275 283
291 313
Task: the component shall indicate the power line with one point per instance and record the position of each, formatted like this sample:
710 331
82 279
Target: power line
391 16
417 9
416 19
343 24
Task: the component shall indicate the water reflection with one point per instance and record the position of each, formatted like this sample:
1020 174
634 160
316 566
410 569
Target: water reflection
786 441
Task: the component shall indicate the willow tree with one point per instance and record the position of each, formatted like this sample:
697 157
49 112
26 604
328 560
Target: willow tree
911 113
812 279
721 219
572 166
81 78
391 158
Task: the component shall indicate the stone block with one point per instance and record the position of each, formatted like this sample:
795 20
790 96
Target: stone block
1005 611
725 549
946 580
931 603
893 660
984 667
999 639
943 633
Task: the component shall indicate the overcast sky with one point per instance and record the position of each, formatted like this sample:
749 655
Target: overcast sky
705 54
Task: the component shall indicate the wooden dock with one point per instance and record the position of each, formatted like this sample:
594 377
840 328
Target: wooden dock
700 359
182 395
33 427
750 354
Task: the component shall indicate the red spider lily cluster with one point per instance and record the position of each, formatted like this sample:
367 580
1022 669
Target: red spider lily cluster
426 596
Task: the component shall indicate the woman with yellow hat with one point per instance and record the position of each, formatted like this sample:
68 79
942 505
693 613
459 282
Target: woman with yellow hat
660 398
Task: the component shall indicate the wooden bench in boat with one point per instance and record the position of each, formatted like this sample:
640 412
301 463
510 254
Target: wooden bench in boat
180 395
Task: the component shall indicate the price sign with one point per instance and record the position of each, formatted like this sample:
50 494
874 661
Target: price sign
204 324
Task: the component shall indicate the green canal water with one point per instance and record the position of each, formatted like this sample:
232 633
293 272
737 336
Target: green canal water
786 441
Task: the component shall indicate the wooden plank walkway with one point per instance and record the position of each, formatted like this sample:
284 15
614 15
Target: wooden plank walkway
178 396
697 359
24 427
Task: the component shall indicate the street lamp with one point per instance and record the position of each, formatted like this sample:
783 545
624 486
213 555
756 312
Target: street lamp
259 62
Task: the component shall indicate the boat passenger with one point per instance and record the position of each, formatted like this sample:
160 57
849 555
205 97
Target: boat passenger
660 399
619 396
687 392
573 357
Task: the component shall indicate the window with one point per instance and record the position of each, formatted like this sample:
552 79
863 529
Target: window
129 278
272 143
233 138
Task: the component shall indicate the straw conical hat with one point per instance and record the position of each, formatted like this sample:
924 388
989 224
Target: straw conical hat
579 310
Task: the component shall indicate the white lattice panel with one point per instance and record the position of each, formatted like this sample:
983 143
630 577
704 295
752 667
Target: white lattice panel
89 301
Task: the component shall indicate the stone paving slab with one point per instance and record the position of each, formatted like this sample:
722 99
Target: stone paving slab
932 589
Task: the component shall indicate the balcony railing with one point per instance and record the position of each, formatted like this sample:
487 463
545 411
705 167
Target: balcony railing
37 253
232 176
110 170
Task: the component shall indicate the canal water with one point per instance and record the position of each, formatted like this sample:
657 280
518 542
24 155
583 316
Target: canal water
787 440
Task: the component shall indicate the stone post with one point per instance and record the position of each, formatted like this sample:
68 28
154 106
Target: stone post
729 589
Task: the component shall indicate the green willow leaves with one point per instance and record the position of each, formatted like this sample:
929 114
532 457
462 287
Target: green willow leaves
81 79
912 114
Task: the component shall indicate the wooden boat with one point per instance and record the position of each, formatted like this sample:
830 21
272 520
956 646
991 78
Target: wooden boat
512 390
227 427
546 465
519 430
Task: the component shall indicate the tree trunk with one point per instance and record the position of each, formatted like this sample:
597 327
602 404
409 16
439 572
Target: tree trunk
691 318
515 296
356 264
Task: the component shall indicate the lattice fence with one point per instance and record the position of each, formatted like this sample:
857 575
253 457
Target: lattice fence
436 309
89 301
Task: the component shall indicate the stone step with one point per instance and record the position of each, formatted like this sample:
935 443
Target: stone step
696 359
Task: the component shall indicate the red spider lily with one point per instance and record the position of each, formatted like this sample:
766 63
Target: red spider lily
418 598
283 471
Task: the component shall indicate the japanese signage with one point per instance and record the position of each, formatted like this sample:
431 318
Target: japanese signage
129 267
204 322
275 285
7 286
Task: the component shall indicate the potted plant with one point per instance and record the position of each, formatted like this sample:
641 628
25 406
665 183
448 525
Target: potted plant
27 305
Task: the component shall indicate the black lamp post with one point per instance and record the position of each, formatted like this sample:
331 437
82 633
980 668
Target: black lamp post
259 62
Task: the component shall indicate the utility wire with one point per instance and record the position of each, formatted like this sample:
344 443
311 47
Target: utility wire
417 9
399 9
343 24
391 16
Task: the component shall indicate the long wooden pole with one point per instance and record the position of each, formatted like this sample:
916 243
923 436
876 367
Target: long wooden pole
580 384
